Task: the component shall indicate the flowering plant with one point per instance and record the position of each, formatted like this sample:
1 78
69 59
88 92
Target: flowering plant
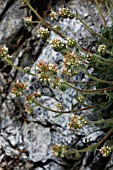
96 93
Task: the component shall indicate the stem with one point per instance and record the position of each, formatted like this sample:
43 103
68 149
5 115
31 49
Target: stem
43 21
104 59
18 68
81 49
72 151
110 53
101 13
94 78
50 26
91 30
91 65
83 91
79 110
36 22
96 67
85 82
106 4
100 121
64 112
89 91
103 62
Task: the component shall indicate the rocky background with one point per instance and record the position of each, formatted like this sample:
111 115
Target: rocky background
25 140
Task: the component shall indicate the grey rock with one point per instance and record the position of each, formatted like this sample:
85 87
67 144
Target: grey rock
53 166
12 21
36 140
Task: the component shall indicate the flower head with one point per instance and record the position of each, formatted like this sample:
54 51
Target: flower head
43 33
70 62
102 48
53 15
28 20
59 106
31 97
64 12
3 51
58 45
80 98
46 70
18 88
28 108
105 151
71 42
59 150
77 122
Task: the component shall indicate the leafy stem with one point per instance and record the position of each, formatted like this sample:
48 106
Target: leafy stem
43 21
93 32
100 121
89 91
73 151
63 112
18 68
101 13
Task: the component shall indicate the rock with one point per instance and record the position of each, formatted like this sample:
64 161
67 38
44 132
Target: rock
36 141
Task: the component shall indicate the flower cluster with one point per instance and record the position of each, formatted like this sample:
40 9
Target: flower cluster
30 98
18 88
77 122
64 12
88 57
71 42
3 51
28 108
55 83
58 45
70 62
59 150
53 15
102 48
9 57
28 20
46 70
105 151
27 69
80 98
43 33
59 106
